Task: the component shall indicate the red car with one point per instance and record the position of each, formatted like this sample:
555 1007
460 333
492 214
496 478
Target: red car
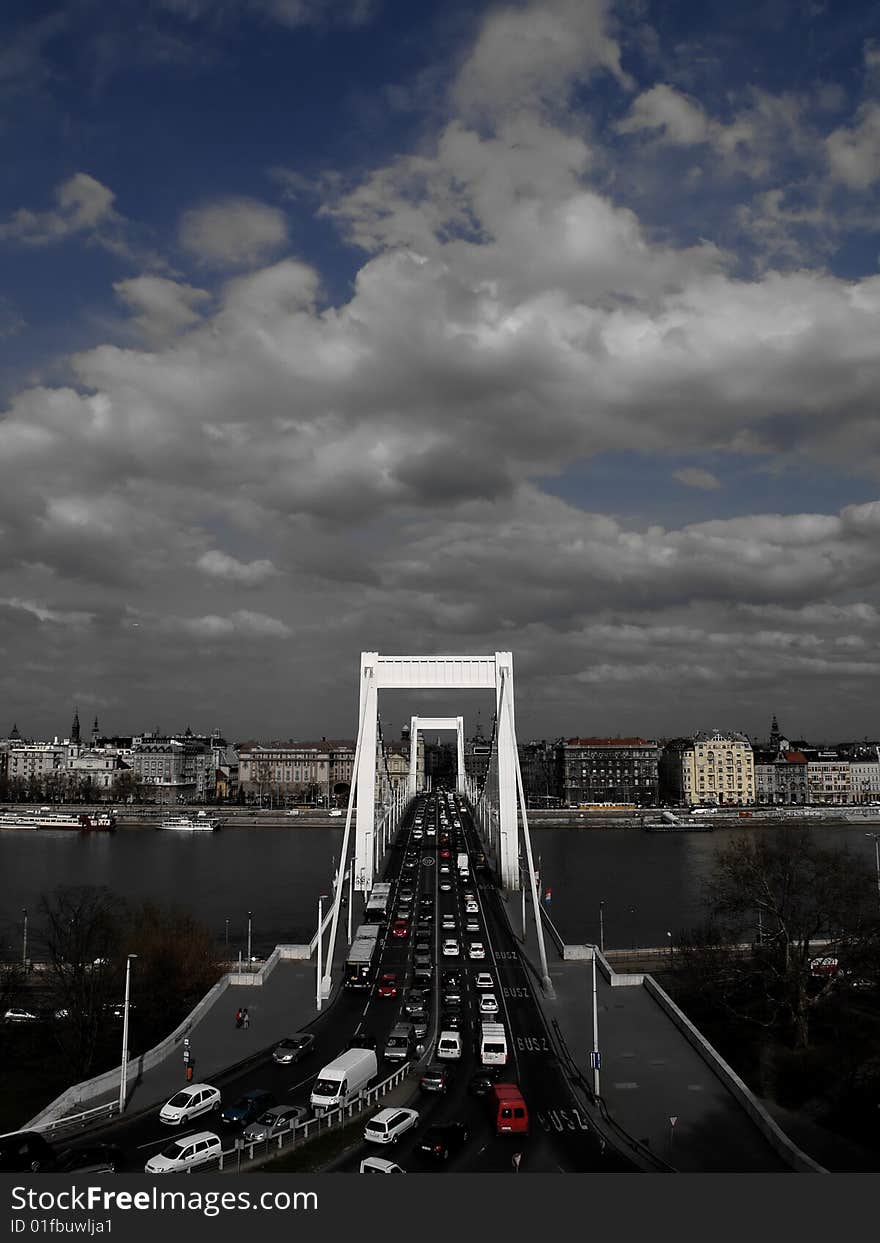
400 929
445 854
388 984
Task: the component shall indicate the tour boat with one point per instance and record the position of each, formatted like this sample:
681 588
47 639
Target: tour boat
199 823
46 819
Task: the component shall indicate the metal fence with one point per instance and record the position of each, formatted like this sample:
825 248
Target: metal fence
233 1160
79 1122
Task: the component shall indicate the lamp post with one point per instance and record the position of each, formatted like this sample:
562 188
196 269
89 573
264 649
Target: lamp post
24 957
321 898
227 931
350 896
123 1076
602 927
669 936
595 1057
250 927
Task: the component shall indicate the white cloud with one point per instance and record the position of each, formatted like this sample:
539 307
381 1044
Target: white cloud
238 625
697 477
217 564
58 617
162 307
679 119
83 205
854 151
232 232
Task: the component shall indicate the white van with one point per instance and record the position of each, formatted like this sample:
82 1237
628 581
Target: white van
186 1153
341 1080
493 1044
449 1046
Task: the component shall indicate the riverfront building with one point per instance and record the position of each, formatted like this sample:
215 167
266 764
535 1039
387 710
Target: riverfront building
610 770
711 769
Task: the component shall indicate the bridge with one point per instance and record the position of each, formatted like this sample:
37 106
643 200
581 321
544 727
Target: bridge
614 1076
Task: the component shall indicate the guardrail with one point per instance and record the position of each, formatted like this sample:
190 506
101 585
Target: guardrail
231 1160
79 1122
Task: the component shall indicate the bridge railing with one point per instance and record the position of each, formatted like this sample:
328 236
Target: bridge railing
79 1122
233 1160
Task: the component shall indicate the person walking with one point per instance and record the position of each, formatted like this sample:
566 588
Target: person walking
245 1018
239 1017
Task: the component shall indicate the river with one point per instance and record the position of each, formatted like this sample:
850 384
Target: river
649 883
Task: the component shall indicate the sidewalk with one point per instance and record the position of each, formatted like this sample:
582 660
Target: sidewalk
650 1074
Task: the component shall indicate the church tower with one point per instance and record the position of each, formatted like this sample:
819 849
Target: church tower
74 729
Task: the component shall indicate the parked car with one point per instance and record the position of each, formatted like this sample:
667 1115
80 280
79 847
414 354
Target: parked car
186 1153
389 1124
247 1107
436 1078
275 1121
190 1102
442 1139
293 1048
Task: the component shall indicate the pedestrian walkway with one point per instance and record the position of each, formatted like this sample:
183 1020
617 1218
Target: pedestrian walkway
655 1084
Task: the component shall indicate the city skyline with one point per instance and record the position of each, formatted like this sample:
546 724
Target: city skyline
543 327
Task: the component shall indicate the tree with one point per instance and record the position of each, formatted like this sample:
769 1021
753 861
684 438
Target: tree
83 925
796 894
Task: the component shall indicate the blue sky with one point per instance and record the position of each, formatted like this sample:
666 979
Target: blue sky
549 327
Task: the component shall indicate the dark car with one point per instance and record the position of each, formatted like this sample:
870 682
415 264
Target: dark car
451 979
450 1021
451 996
416 1001
442 1139
422 978
363 1041
419 1026
437 1078
247 1108
421 960
91 1159
292 1048
423 947
25 1151
481 1083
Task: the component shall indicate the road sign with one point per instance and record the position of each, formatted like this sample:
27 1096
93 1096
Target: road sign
595 1060
672 1121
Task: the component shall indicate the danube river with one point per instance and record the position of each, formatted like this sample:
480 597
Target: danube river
649 883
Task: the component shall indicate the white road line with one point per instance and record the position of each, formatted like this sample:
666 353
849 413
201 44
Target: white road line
167 1139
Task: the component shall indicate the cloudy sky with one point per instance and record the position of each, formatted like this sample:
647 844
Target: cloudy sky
333 325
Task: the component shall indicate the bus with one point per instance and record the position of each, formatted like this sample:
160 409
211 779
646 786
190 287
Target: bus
378 903
363 953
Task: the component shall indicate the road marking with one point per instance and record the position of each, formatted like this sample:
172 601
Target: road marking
624 1086
301 1084
167 1139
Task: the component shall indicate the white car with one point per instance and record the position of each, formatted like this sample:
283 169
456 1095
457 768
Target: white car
449 1046
450 948
186 1153
378 1165
335 811
470 907
471 924
389 1124
448 924
476 949
19 1016
488 1004
483 980
190 1102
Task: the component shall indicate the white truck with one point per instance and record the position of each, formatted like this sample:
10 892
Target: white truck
493 1044
341 1080
463 865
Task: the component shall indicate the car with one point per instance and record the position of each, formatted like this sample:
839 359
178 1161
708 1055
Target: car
190 1102
389 1124
247 1107
488 1003
450 1020
470 906
436 1078
424 928
448 923
24 1152
445 885
483 980
416 1001
442 1139
422 946
419 1026
362 1040
451 948
405 895
471 924
422 977
445 852
274 1121
387 984
186 1153
452 996
378 1165
293 1048
451 975
91 1159
335 811
16 1015
421 960
476 949
400 929
484 1079
445 869
448 1046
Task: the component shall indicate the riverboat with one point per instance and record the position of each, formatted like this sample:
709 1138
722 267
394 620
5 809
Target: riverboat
668 822
199 823
46 819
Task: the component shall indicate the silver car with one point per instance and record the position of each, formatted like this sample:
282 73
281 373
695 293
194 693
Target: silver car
292 1048
275 1120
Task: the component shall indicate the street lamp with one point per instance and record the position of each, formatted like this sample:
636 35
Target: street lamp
876 837
602 927
669 935
24 939
123 1076
595 1057
227 931
321 898
250 925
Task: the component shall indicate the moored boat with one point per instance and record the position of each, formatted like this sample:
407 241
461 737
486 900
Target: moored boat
46 819
191 824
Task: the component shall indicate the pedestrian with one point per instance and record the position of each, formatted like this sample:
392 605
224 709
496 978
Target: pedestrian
245 1018
239 1017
